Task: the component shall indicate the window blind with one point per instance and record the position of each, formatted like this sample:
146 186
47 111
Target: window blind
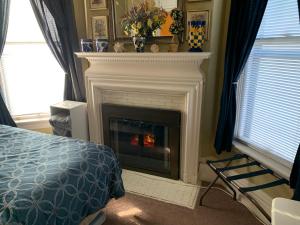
281 19
269 89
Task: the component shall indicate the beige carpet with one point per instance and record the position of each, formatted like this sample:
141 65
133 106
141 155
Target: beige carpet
136 210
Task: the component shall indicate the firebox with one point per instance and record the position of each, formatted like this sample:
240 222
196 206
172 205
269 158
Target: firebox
144 139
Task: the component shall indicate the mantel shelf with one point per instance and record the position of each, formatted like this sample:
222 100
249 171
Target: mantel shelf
186 57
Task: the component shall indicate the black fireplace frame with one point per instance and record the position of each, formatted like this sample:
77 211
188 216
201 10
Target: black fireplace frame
169 118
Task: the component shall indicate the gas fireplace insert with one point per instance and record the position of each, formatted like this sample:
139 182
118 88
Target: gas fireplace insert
144 139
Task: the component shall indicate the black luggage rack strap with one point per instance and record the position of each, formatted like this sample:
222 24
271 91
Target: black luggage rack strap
231 183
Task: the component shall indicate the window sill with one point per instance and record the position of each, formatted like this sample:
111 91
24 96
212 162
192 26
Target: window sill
277 167
33 122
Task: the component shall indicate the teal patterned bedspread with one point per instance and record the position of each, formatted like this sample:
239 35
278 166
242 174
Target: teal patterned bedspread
51 180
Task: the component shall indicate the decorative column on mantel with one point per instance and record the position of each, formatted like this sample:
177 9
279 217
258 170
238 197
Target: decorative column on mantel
162 76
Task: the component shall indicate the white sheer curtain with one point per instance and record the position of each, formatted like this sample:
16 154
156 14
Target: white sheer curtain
31 76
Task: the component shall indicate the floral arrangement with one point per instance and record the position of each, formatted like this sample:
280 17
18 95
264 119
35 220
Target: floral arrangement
143 19
177 27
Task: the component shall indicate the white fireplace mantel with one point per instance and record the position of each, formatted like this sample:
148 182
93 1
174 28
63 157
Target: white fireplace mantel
158 80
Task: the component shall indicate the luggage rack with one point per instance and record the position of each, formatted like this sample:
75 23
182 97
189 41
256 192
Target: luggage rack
231 183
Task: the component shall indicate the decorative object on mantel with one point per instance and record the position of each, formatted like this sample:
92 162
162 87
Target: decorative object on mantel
173 47
176 29
139 43
196 35
119 47
198 16
154 48
101 45
86 45
142 21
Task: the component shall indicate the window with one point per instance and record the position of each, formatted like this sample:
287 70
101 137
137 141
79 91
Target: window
32 79
269 89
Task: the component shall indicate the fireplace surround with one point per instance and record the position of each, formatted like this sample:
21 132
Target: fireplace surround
145 140
156 80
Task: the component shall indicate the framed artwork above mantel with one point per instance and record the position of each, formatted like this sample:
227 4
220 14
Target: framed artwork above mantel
99 27
97 4
97 19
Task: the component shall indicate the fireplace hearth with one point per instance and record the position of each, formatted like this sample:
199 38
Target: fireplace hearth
145 140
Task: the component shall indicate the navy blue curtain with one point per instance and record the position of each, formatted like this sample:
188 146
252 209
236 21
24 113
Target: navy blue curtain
5 118
244 22
295 176
57 22
299 7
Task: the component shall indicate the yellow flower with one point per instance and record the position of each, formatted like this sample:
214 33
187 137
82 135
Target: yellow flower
149 23
133 26
139 25
155 18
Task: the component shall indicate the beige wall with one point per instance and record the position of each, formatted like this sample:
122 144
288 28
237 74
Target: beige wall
79 10
219 14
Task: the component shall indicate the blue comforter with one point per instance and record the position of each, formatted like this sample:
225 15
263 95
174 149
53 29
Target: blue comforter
51 180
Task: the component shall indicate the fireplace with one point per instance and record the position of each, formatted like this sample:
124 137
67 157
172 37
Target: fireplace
171 81
144 139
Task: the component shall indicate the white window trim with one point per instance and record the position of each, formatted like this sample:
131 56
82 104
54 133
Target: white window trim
274 164
33 121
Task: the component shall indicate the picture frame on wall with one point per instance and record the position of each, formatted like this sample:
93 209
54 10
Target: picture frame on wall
198 15
99 27
97 4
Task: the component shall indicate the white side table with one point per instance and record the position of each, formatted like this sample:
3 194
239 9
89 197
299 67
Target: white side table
78 115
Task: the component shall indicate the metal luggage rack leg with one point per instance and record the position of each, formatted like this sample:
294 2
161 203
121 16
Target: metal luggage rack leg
233 186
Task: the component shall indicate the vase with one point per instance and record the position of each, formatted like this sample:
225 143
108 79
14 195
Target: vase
174 45
86 45
102 45
196 36
139 43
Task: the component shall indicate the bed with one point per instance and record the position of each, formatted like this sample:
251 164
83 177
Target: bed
52 180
